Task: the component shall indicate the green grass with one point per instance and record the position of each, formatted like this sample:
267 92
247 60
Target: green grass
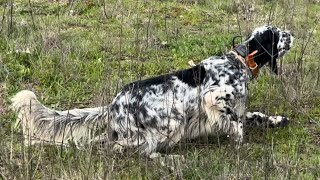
80 56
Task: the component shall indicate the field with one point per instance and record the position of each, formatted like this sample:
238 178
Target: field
76 54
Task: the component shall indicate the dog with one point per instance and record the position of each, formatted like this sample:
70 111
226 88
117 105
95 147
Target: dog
158 112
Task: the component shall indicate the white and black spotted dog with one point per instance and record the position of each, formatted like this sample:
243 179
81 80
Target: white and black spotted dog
158 112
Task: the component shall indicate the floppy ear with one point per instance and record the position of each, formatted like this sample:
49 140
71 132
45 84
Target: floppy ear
273 65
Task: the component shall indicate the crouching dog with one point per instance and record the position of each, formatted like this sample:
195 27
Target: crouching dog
158 112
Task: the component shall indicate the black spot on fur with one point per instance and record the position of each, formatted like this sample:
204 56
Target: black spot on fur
139 124
228 110
283 123
231 80
114 136
152 122
115 107
192 77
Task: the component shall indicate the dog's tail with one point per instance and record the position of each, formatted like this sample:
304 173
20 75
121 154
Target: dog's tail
44 125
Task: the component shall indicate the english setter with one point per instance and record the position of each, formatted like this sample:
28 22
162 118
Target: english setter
159 112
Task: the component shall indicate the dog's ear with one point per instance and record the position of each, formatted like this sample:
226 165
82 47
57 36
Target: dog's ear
275 37
273 65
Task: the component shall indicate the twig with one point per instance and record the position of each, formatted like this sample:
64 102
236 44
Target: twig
238 19
2 176
31 14
3 17
114 7
104 9
271 13
11 22
71 2
148 26
304 47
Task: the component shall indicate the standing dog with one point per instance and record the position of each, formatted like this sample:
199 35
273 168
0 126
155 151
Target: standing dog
159 112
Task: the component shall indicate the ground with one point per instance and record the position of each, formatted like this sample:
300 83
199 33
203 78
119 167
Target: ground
78 54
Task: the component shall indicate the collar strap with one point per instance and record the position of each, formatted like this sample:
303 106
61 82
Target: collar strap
248 61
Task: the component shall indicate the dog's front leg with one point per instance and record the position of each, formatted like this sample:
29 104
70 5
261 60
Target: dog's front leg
258 119
219 105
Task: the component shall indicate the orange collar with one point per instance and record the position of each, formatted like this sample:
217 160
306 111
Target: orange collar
249 62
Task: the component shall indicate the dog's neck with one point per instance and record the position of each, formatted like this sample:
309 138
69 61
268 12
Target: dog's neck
242 54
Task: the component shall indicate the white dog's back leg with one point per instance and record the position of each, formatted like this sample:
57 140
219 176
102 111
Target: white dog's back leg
219 104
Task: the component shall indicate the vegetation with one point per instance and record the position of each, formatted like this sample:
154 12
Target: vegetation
79 53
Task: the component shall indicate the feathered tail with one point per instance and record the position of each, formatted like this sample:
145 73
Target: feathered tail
44 125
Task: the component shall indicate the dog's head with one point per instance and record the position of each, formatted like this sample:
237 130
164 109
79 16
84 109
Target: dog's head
271 44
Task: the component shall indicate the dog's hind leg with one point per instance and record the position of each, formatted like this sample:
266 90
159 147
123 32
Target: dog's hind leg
219 105
254 119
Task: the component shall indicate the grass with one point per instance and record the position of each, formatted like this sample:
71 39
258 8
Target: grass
79 54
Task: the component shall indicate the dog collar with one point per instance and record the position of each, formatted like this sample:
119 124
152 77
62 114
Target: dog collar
248 61
241 53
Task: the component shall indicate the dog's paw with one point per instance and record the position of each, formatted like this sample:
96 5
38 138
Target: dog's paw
278 121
